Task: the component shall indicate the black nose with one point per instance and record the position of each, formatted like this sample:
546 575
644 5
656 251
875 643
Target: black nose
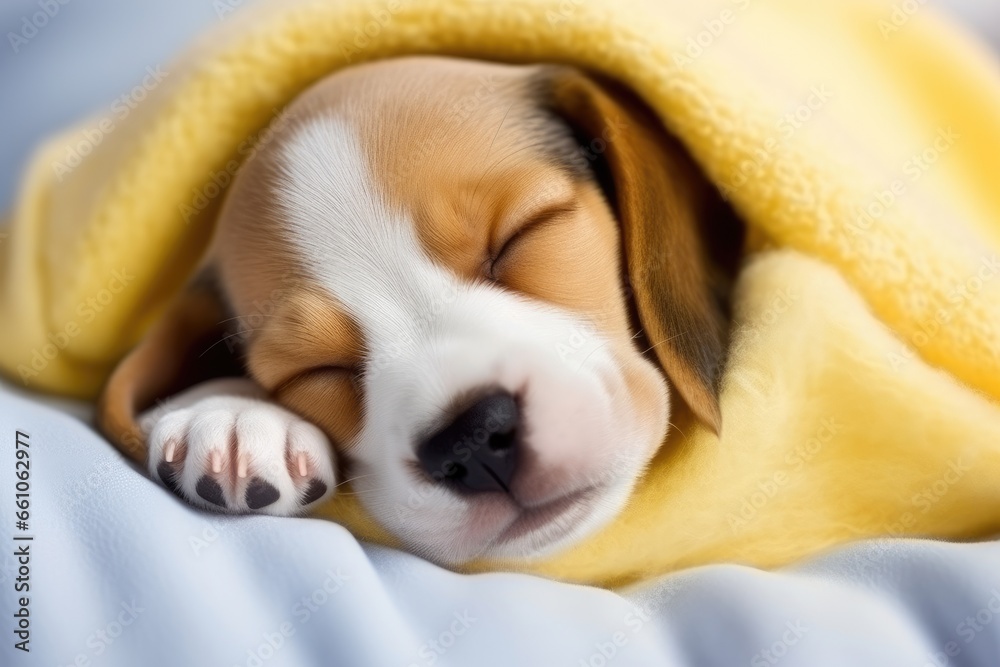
478 450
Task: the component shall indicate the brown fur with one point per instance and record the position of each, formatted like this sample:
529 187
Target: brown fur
499 194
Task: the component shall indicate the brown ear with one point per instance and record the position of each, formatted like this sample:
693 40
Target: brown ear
660 198
185 347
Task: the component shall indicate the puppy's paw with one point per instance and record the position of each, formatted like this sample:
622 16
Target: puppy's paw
224 446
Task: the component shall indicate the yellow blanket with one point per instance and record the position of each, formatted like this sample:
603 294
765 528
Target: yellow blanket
859 140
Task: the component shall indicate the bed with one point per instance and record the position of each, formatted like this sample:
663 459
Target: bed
122 573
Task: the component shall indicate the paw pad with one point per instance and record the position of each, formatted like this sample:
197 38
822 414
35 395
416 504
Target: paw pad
315 491
210 490
239 453
260 494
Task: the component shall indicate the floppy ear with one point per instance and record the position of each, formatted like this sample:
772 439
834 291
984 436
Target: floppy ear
660 199
182 349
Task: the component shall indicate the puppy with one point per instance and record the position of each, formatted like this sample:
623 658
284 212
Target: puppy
473 290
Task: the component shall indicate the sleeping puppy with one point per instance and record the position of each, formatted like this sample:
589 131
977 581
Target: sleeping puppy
474 290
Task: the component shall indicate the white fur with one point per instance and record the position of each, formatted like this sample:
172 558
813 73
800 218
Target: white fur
203 419
431 336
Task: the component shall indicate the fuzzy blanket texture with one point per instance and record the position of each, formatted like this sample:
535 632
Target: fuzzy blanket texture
858 140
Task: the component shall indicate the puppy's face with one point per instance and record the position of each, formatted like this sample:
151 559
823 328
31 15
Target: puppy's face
443 279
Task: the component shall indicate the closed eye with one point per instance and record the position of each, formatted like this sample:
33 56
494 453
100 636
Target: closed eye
539 220
333 372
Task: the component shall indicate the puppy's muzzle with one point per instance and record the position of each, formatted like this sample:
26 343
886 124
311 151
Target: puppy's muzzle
478 451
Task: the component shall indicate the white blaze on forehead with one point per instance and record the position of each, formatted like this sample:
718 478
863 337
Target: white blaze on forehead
364 252
442 336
